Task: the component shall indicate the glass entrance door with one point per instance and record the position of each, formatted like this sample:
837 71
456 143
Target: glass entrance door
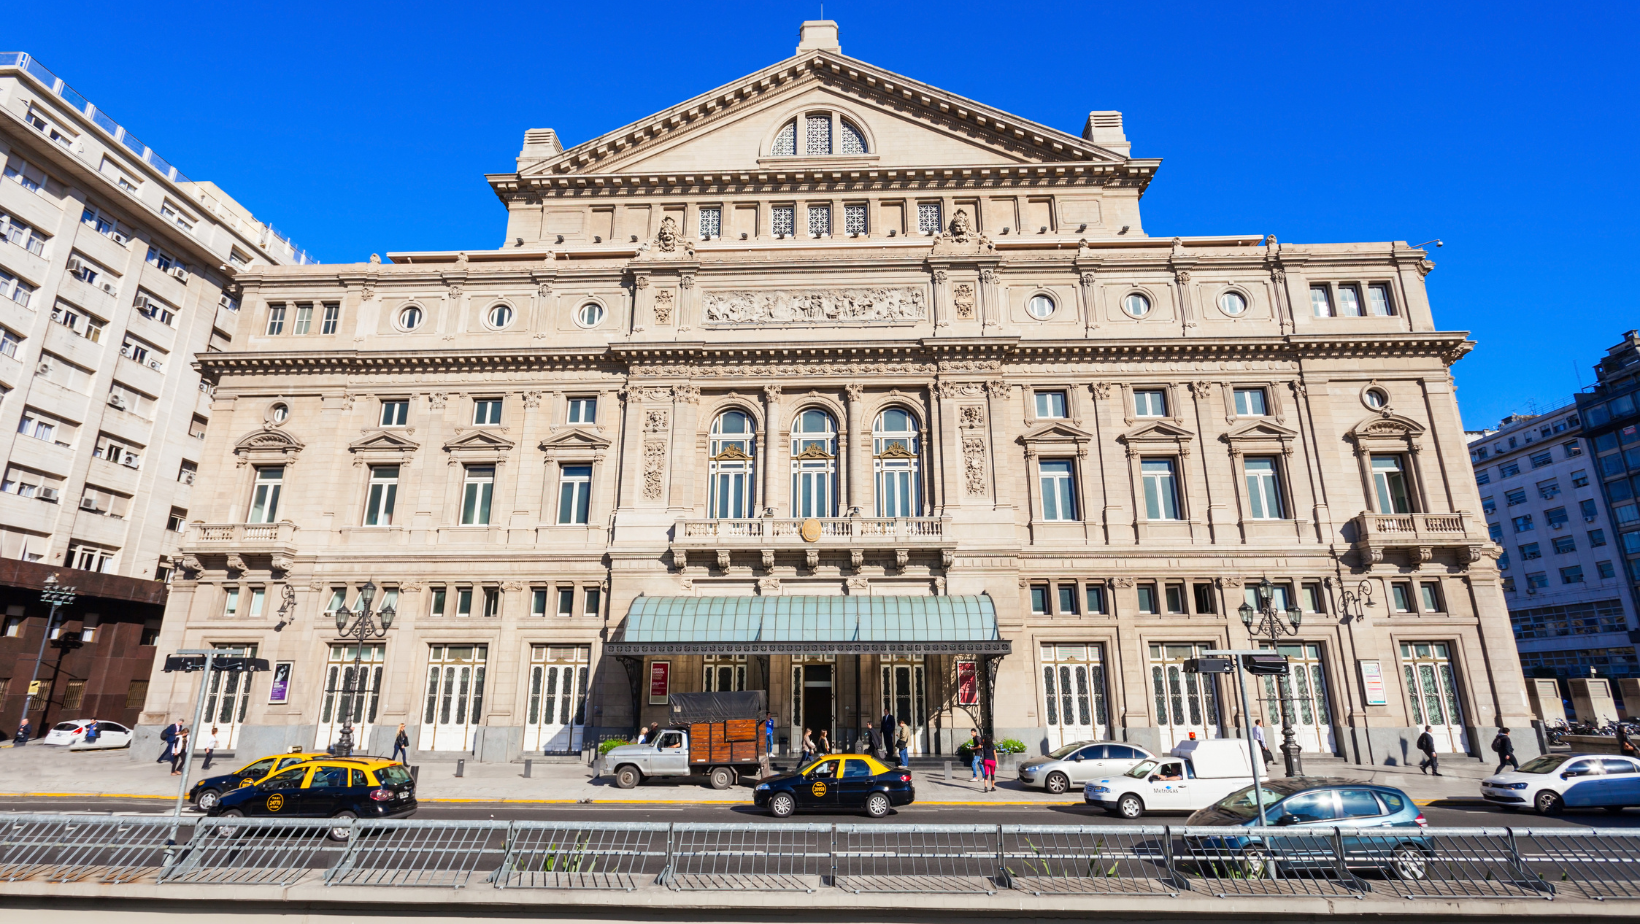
1185 703
226 700
1073 693
1432 691
455 697
558 698
1307 687
904 696
347 695
812 705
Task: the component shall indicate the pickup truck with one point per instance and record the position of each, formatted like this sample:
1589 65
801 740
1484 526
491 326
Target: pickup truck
715 736
1194 775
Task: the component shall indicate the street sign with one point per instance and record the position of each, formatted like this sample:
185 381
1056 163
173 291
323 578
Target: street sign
185 663
1209 666
34 687
1265 663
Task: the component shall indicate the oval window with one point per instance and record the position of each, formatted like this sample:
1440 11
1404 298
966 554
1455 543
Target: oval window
1232 303
1136 305
279 412
1040 307
1376 399
410 318
501 316
590 315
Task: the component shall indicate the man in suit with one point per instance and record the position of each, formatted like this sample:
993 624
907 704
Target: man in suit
1426 744
874 742
169 736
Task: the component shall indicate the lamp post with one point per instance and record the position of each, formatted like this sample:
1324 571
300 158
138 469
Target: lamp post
56 596
1271 625
363 629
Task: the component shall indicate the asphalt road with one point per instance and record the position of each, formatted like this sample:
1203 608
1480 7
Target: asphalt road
1445 816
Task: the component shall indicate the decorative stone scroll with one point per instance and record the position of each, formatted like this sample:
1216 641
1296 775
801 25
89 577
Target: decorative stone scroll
884 304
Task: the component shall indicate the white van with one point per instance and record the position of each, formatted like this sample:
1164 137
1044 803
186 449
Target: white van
1194 775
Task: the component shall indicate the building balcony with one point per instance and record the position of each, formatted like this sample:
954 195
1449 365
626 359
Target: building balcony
275 542
772 535
1420 534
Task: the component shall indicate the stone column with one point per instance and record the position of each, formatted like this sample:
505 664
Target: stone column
685 427
770 454
631 444
856 448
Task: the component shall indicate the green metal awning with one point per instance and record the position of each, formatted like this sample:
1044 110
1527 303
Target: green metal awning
810 625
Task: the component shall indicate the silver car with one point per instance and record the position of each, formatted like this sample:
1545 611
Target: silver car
1075 764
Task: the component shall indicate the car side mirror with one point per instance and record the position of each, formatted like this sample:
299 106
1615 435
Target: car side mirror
1286 820
1153 778
1078 757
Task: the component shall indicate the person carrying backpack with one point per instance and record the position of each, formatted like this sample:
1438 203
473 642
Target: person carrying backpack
1504 747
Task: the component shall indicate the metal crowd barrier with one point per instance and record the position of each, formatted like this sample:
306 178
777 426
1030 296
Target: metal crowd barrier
1409 863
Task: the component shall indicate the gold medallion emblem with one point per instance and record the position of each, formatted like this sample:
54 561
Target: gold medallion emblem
276 802
810 530
819 789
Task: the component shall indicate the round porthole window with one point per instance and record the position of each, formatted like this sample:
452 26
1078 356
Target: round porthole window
279 412
1040 307
1136 305
410 318
1232 303
590 315
500 316
1375 398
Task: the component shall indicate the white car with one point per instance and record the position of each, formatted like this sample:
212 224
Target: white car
1560 781
72 735
1193 776
1075 764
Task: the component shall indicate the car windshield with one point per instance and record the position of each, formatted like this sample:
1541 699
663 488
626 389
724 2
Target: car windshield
1142 769
1067 750
67 726
1242 804
393 776
1544 764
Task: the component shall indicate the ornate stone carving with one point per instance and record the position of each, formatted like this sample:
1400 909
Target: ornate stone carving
1101 390
513 587
654 468
1087 280
688 393
656 393
236 563
814 306
997 388
1201 390
961 227
768 587
666 239
785 369
1182 275
962 298
723 559
855 391
655 420
190 563
532 399
1225 582
1425 267
973 465
436 400
663 307
640 282
940 276
766 559
771 393
811 559
971 418
1122 582
948 558
989 277
283 563
680 557
544 290
1299 388
856 559
686 281
858 585
901 558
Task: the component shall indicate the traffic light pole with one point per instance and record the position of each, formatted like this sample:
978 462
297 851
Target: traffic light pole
1255 761
56 596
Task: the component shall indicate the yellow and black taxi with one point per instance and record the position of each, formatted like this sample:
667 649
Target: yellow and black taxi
837 782
208 792
330 787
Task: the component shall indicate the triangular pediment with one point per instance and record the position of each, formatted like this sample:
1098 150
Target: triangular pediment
383 441
1261 430
907 124
1056 431
575 438
481 440
1158 430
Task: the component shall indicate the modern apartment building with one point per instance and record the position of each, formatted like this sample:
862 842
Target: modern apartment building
1611 426
115 269
831 383
1564 581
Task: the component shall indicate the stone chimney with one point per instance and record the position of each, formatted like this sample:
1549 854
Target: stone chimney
539 144
1104 128
818 35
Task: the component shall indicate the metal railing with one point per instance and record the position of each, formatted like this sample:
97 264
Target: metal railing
1412 526
806 857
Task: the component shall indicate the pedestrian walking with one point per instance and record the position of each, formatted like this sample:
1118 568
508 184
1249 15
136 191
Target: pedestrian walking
988 756
1258 735
22 733
1624 745
974 757
874 743
93 731
768 733
808 745
401 745
1426 744
179 749
169 736
822 747
902 742
888 726
1504 747
207 743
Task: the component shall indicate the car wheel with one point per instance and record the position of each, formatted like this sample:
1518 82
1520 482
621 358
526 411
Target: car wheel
782 805
230 830
1057 783
721 778
343 831
877 805
1130 806
1409 862
209 799
627 776
1548 803
1257 864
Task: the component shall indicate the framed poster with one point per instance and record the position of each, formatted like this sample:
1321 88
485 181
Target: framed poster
279 690
1372 683
967 683
660 682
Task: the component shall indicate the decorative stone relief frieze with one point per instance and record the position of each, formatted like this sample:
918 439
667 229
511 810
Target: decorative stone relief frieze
655 420
973 465
971 418
815 306
770 370
663 307
962 298
654 468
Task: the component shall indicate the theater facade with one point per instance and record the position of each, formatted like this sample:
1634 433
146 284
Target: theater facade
830 383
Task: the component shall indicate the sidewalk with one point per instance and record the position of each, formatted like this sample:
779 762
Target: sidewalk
47 771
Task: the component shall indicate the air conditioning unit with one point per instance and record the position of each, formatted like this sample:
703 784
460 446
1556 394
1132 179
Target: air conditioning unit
74 265
180 273
129 462
228 302
116 400
48 494
155 365
88 503
110 288
119 238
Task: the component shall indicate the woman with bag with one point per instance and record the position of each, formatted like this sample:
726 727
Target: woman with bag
808 746
823 746
179 750
988 758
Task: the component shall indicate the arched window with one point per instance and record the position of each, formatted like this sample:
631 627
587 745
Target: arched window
894 452
854 140
785 143
733 469
814 465
819 134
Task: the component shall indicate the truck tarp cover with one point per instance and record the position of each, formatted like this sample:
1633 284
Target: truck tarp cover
689 708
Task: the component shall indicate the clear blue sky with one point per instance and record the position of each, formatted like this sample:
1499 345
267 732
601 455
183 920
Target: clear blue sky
1507 130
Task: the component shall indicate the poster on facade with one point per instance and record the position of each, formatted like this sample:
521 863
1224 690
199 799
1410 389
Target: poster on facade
1372 683
660 682
967 684
279 690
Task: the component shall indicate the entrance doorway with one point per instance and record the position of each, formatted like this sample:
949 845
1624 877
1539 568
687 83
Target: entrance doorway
813 705
455 697
1432 689
227 698
348 696
1073 693
905 697
557 698
1185 703
1307 685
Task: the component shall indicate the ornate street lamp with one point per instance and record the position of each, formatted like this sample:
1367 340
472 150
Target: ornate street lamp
1270 625
363 629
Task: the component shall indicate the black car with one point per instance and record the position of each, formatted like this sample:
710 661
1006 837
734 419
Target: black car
333 787
207 792
839 781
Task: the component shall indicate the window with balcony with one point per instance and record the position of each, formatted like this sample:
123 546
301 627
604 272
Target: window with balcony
13 231
91 558
47 428
478 487
574 494
25 482
895 463
265 494
814 464
1058 489
731 467
1389 481
81 323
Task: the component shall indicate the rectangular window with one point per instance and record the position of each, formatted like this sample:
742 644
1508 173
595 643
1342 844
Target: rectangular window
478 488
1548 489
1250 402
1489 506
436 608
231 605
574 494
176 520
583 410
1607 572
1515 497
258 598
1161 489
1509 469
1572 575
1390 482
265 494
1556 517
854 219
1349 302
820 221
1496 531
1067 600
538 601
333 317
1050 404
1537 581
15 289
784 223
1058 494
1175 599
1483 478
1401 594
1203 593
1321 301
1430 593
384 490
1096 599
186 472
1565 545
395 413
276 320
1147 599
594 602
1263 488
304 319
464 601
1149 402
1039 599
1378 300
1540 459
928 218
1572 449
1523 524
486 411
492 602
1588 509
8 343
566 602
711 223
1597 538
1312 599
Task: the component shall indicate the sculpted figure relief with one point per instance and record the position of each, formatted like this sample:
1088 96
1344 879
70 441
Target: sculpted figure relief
666 239
816 306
